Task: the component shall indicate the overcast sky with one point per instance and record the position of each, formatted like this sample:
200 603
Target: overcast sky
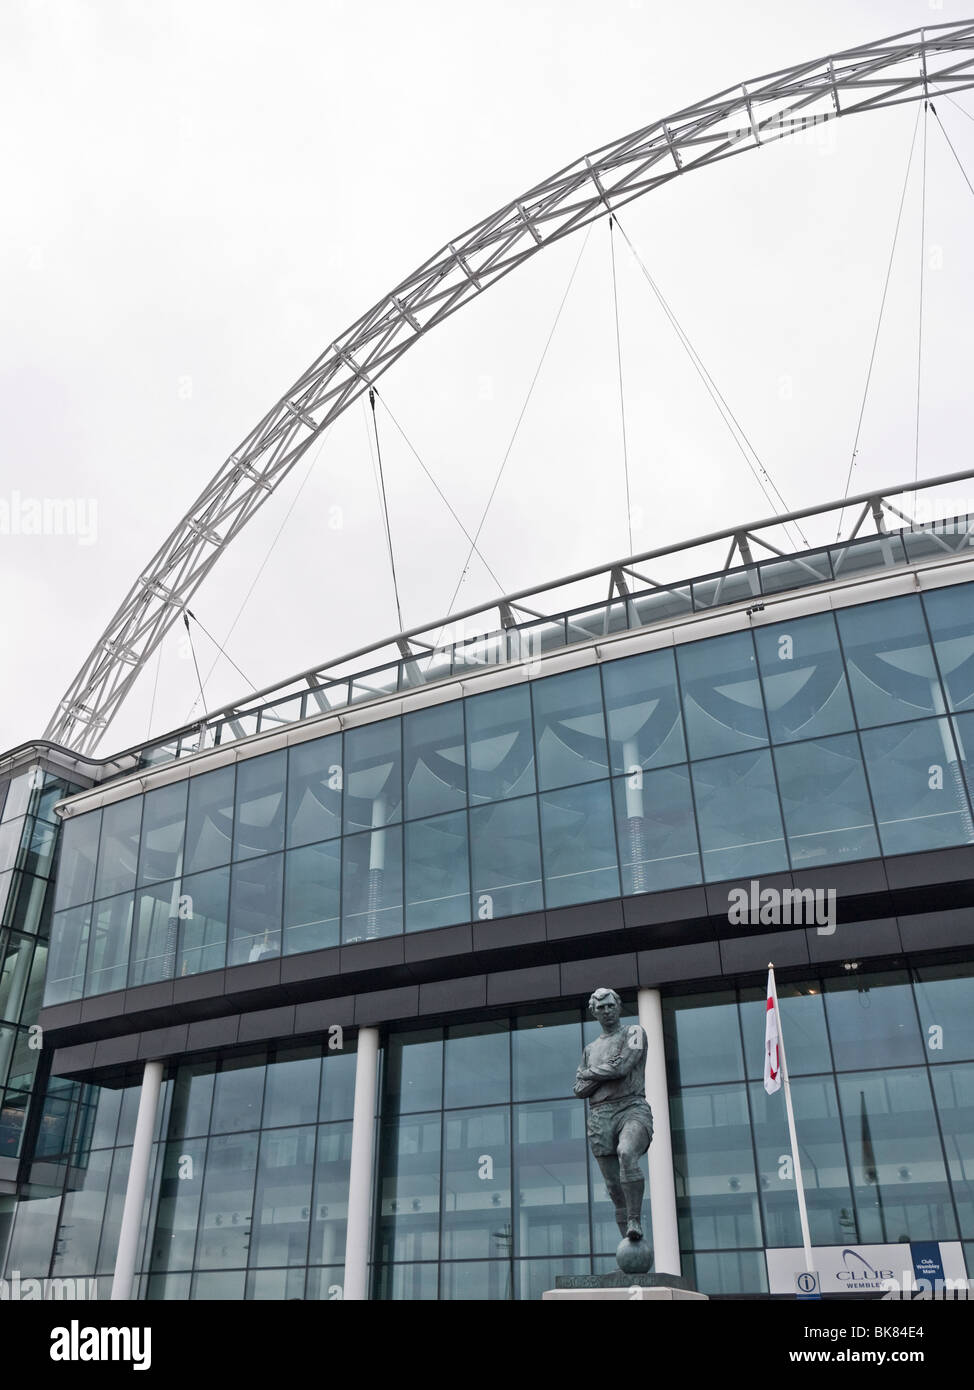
199 196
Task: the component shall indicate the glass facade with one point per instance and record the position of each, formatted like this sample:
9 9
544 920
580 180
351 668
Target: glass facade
823 740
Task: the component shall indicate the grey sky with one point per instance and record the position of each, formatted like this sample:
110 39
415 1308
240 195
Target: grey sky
199 197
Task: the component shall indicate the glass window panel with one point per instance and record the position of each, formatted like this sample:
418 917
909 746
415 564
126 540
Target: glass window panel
112 1221
227 1286
119 849
476 1280
203 922
872 1021
192 1098
964 739
802 1023
866 553
258 824
256 890
732 586
181 1186
277 1285
795 572
547 1052
805 691
434 763
315 791
828 814
35 986
657 605
414 1071
505 857
703 1041
917 790
534 1277
713 1163
291 1095
32 905
478 1064
66 961
825 1176
32 1239
585 623
951 624
437 875
569 729
225 1211
500 744
209 820
156 934
953 1088
337 1080
312 897
108 953
738 816
656 830
16 953
41 842
477 1184
282 1201
409 1189
642 708
550 1179
23 1061
163 829
13 1116
79 850
373 775
107 1103
943 995
330 1206
896 1156
238 1094
727 1271
579 845
408 1283
372 884
722 702
889 661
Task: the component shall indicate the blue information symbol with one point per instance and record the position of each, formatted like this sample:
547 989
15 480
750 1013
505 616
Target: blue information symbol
808 1285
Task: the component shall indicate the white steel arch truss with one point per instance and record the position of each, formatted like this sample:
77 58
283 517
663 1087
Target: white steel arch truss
903 68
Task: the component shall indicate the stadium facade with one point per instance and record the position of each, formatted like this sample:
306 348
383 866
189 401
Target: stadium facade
316 968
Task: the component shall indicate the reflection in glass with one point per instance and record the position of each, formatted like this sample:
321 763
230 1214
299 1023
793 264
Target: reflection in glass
943 995
413 1071
569 729
478 1064
163 827
872 1021
656 830
330 1205
722 702
578 837
209 820
314 790
477 1184
372 884
643 712
506 858
703 1041
825 801
282 1200
238 1094
433 754
738 816
203 922
108 954
174 1237
118 851
156 934
713 1161
949 616
550 1179
255 910
258 823
373 775
312 897
889 661
226 1208
66 961
437 878
803 677
500 744
802 1011
953 1088
409 1194
917 788
547 1048
79 850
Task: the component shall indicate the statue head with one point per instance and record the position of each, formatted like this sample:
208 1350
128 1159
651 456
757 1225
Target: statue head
606 1006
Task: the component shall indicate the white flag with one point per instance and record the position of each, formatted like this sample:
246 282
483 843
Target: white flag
772 1056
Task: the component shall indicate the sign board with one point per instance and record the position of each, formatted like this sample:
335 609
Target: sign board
868 1269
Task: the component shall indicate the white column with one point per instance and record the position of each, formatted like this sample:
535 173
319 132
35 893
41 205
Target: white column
662 1187
128 1236
360 1174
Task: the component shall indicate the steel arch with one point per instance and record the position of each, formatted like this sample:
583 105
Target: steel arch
889 72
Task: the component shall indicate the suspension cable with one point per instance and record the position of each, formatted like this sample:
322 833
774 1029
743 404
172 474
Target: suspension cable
192 649
760 474
221 650
879 322
622 396
517 426
385 508
950 142
412 448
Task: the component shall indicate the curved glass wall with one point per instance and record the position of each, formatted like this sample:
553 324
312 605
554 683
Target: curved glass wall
821 740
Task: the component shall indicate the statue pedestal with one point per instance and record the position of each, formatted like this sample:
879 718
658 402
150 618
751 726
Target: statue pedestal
620 1287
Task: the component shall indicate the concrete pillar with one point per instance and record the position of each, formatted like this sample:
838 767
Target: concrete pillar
662 1187
131 1229
360 1171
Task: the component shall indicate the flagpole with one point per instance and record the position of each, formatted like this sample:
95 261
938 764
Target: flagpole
796 1161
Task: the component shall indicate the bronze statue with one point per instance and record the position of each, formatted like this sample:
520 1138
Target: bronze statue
612 1078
